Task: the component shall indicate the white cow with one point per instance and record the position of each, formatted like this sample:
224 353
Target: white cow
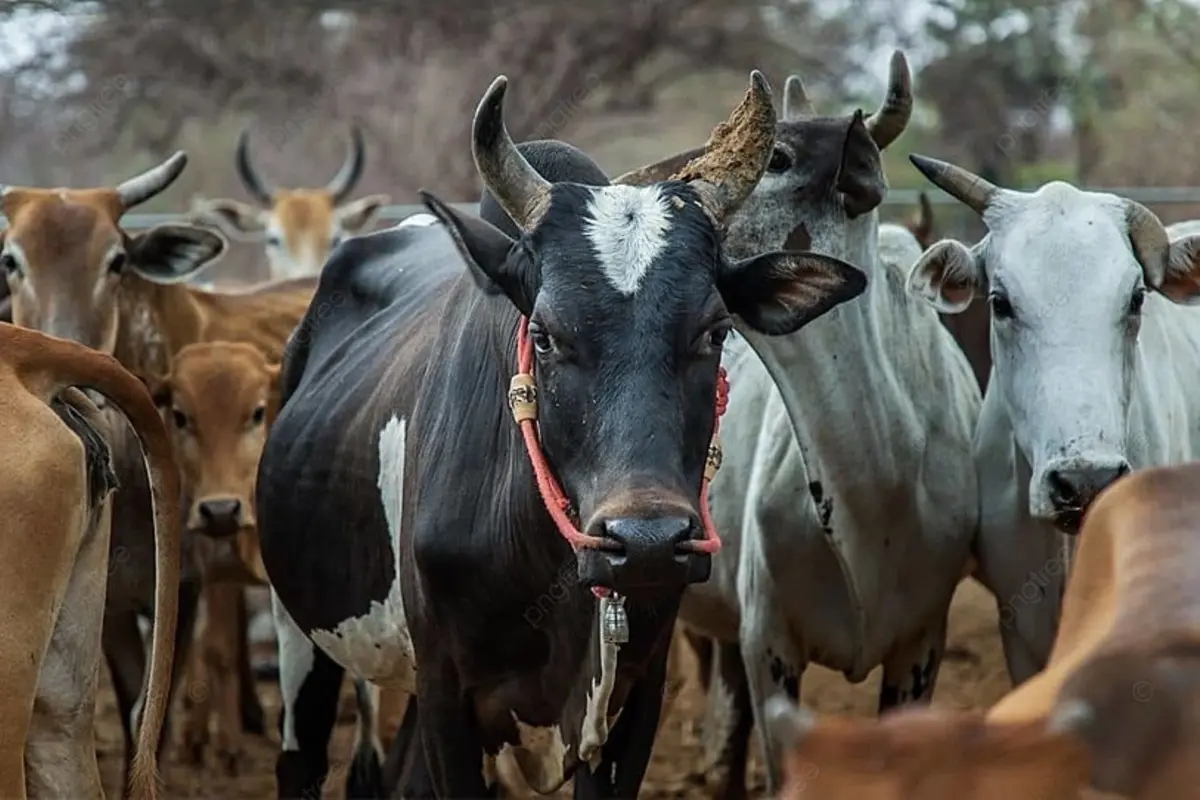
847 499
1097 371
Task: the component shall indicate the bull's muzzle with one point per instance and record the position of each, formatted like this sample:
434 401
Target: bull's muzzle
644 554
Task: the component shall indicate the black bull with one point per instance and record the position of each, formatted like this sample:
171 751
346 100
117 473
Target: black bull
419 353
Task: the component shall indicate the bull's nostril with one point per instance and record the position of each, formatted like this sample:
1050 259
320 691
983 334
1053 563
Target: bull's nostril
1063 492
639 534
225 510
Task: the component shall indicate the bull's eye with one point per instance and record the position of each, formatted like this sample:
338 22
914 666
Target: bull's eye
780 161
1136 302
117 262
541 340
274 240
8 262
259 415
1001 306
717 337
179 418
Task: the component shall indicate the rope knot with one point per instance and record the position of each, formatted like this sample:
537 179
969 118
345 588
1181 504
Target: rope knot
522 397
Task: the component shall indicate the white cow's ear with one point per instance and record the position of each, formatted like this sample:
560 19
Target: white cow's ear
1181 283
947 276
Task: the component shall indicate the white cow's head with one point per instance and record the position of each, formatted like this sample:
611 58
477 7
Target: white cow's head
1066 273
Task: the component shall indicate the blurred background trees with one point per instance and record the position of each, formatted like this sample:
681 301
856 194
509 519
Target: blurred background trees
1103 92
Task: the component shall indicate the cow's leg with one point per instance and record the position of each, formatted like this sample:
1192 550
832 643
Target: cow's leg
197 697
250 707
729 721
221 637
309 683
910 671
125 654
406 773
450 734
774 664
60 752
626 755
366 767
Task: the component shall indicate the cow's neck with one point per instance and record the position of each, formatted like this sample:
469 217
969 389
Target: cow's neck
825 369
156 322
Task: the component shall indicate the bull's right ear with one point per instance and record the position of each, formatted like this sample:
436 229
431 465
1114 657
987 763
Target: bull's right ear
948 276
496 262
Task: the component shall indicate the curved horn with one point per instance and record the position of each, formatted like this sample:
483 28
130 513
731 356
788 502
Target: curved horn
343 183
142 187
1149 238
795 100
964 186
736 155
892 117
518 188
789 723
255 185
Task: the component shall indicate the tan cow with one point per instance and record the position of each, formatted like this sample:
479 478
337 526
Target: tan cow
218 402
1117 706
74 273
55 500
300 226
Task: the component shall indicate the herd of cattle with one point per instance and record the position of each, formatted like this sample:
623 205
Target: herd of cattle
476 460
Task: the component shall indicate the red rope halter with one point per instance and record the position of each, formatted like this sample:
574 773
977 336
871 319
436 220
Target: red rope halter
522 399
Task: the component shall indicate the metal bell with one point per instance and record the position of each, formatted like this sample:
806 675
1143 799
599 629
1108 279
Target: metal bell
614 621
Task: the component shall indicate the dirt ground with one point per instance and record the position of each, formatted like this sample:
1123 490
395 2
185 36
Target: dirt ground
973 676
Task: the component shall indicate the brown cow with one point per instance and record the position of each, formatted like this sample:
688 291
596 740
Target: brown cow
73 272
1123 679
300 226
921 224
57 515
219 401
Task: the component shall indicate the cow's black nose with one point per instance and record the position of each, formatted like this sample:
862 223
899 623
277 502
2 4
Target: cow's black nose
649 538
221 516
1075 489
644 554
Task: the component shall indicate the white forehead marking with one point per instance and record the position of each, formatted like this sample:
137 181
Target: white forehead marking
627 227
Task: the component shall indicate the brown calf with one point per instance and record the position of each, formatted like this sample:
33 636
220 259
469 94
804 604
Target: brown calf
300 226
73 272
218 401
55 497
1116 712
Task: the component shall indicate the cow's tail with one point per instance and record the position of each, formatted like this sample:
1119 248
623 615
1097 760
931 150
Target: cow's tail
46 365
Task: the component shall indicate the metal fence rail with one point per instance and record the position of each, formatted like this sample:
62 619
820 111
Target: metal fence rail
1150 195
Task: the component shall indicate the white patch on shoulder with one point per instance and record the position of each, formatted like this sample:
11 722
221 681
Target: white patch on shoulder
417 220
378 646
628 230
538 755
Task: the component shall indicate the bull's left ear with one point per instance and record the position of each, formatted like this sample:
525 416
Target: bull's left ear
173 253
1181 283
496 263
355 215
159 389
780 293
